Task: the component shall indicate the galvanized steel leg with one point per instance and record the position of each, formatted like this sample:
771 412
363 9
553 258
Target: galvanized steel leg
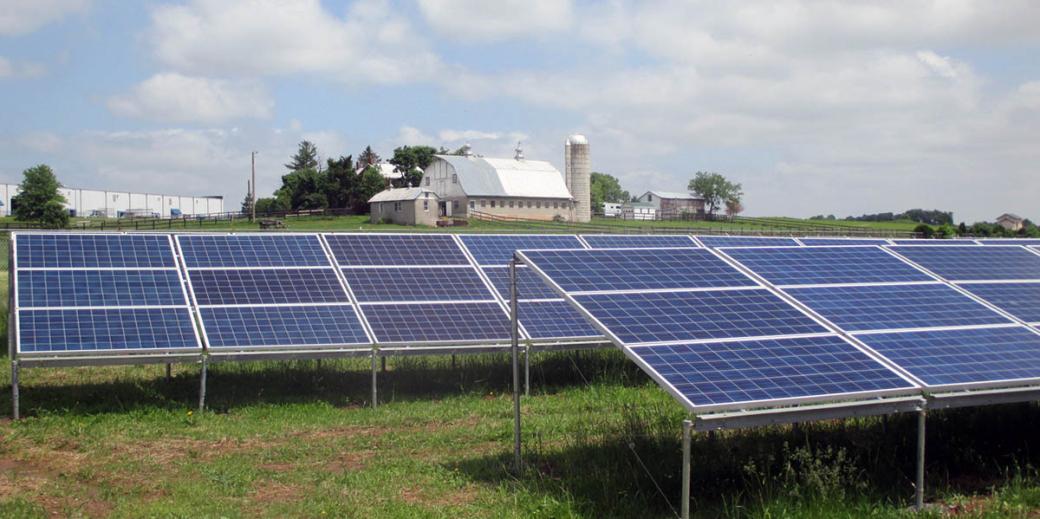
919 491
453 361
527 370
202 385
687 432
14 390
382 363
515 350
169 371
375 377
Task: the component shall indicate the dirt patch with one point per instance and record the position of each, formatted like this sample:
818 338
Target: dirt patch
275 492
422 497
27 479
349 431
350 461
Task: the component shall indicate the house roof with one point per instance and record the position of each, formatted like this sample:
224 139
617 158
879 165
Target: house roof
673 195
1010 216
401 194
521 178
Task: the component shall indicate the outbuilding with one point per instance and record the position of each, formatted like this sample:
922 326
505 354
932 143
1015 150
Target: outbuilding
673 204
405 206
1011 222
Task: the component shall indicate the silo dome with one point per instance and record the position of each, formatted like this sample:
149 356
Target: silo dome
577 138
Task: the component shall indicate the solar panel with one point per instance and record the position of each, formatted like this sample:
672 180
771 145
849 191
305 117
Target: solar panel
529 285
842 241
252 250
975 262
371 250
1009 241
826 265
554 320
890 307
685 316
636 241
65 288
417 284
1021 300
637 269
746 372
437 322
978 356
105 330
936 242
94 251
283 326
498 249
267 286
746 241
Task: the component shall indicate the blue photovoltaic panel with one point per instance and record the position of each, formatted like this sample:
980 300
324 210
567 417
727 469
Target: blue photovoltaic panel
746 241
1008 241
94 250
250 250
773 369
395 249
822 265
636 241
975 262
637 269
43 331
417 284
498 250
267 286
430 322
52 288
1021 300
971 356
554 320
529 285
269 326
891 307
684 316
842 241
935 242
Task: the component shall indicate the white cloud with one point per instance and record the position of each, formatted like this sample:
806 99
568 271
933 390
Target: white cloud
24 16
370 44
174 98
483 21
20 70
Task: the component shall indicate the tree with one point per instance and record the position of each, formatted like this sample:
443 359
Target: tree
368 158
734 207
369 183
924 230
39 200
605 188
410 161
247 205
306 157
341 178
304 189
715 190
270 205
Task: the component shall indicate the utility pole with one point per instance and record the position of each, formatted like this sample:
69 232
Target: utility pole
252 190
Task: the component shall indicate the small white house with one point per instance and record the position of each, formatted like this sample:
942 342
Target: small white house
404 206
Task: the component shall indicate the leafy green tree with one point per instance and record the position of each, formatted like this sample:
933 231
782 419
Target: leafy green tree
39 199
411 161
924 230
270 205
341 178
368 157
605 188
370 182
306 157
304 189
715 190
247 204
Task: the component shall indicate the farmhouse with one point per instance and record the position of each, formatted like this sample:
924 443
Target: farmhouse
405 206
1011 222
670 204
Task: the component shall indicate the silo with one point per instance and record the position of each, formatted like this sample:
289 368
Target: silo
578 175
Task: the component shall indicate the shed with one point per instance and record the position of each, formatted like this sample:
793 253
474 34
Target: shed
405 206
1011 221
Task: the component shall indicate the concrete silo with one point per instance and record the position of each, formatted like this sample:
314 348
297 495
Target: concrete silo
578 175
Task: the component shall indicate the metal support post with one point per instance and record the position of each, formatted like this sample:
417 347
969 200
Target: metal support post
202 385
919 491
14 390
527 370
515 349
687 432
382 362
375 377
453 361
318 366
169 371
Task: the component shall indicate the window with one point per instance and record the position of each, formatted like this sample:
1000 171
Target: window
397 206
454 204
649 197
538 204
483 203
425 205
510 203
472 204
427 181
454 178
556 205
492 203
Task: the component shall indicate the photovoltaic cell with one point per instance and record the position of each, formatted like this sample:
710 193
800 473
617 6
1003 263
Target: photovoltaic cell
746 241
53 288
895 306
684 316
498 250
529 285
842 241
637 269
1021 300
1008 241
762 370
636 241
283 326
554 320
250 250
93 251
395 249
975 262
432 322
824 265
417 284
86 330
966 356
936 242
267 286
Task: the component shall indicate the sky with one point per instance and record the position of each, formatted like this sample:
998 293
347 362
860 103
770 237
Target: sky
816 107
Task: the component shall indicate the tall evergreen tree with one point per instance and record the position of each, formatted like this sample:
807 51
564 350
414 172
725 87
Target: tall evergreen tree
39 199
368 157
341 178
306 157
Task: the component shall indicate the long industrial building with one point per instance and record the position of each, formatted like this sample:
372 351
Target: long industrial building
114 204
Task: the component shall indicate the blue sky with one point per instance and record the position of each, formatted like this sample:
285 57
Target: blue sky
816 107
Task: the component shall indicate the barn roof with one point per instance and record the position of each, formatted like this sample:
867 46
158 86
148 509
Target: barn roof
521 178
402 194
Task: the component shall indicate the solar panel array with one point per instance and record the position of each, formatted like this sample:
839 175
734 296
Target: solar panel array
636 241
99 294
